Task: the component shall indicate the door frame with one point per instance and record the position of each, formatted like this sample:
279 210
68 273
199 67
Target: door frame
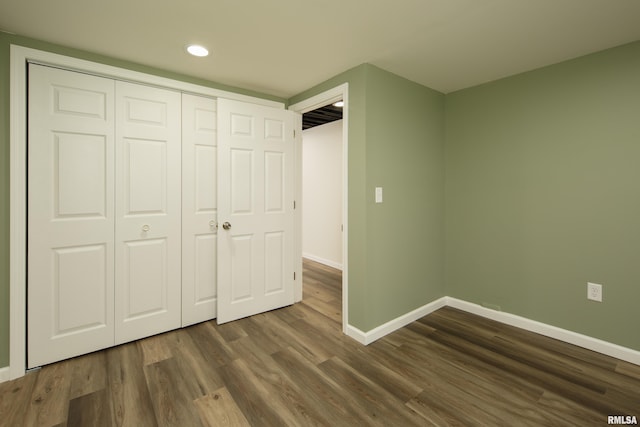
337 93
20 56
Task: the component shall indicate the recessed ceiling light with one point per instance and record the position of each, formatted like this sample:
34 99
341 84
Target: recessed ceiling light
197 50
338 104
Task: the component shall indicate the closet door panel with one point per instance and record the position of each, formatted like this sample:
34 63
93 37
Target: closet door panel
256 196
146 289
71 214
199 209
148 211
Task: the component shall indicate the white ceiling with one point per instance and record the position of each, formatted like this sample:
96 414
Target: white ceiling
282 47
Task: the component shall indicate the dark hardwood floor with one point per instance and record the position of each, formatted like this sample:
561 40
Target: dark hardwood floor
294 367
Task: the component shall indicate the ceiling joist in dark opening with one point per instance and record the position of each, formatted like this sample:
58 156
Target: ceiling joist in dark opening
320 116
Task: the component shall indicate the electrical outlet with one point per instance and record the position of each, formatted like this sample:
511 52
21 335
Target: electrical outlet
594 291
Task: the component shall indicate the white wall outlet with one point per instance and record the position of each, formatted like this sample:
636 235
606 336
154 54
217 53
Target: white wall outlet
594 292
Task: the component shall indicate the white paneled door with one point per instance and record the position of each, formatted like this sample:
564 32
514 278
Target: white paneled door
71 214
148 211
256 206
199 209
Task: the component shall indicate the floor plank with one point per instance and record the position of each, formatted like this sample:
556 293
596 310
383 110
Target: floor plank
219 409
89 374
172 394
90 410
249 394
50 398
15 398
322 390
128 391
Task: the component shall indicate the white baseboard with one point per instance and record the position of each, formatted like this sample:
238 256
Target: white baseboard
4 374
594 344
328 262
395 324
585 341
590 343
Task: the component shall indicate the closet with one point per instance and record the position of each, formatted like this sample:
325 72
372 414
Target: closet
126 186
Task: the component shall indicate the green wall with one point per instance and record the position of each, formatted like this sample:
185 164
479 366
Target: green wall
396 141
5 41
543 194
405 235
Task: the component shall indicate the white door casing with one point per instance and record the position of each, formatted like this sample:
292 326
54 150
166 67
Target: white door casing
148 211
337 93
199 209
255 209
71 214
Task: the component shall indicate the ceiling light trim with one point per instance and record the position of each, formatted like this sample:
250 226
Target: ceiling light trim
197 50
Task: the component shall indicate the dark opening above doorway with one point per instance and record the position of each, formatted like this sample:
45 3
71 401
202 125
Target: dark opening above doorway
320 116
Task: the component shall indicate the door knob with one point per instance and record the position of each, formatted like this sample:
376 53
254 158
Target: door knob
145 228
213 224
226 225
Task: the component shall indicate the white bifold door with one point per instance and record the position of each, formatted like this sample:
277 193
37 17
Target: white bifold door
104 205
199 209
71 214
148 210
255 209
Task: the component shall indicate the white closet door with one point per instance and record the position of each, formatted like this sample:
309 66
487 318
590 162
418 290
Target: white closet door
199 209
148 186
70 215
255 199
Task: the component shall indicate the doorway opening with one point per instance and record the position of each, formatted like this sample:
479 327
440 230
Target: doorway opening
322 210
322 187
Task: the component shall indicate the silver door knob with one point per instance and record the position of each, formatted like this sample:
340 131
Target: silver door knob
226 225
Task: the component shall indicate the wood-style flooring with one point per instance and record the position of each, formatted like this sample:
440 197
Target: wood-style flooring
294 367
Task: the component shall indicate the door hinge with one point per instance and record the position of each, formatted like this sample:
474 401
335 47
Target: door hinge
294 275
294 204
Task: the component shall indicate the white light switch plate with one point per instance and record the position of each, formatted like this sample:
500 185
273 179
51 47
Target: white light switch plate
378 194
